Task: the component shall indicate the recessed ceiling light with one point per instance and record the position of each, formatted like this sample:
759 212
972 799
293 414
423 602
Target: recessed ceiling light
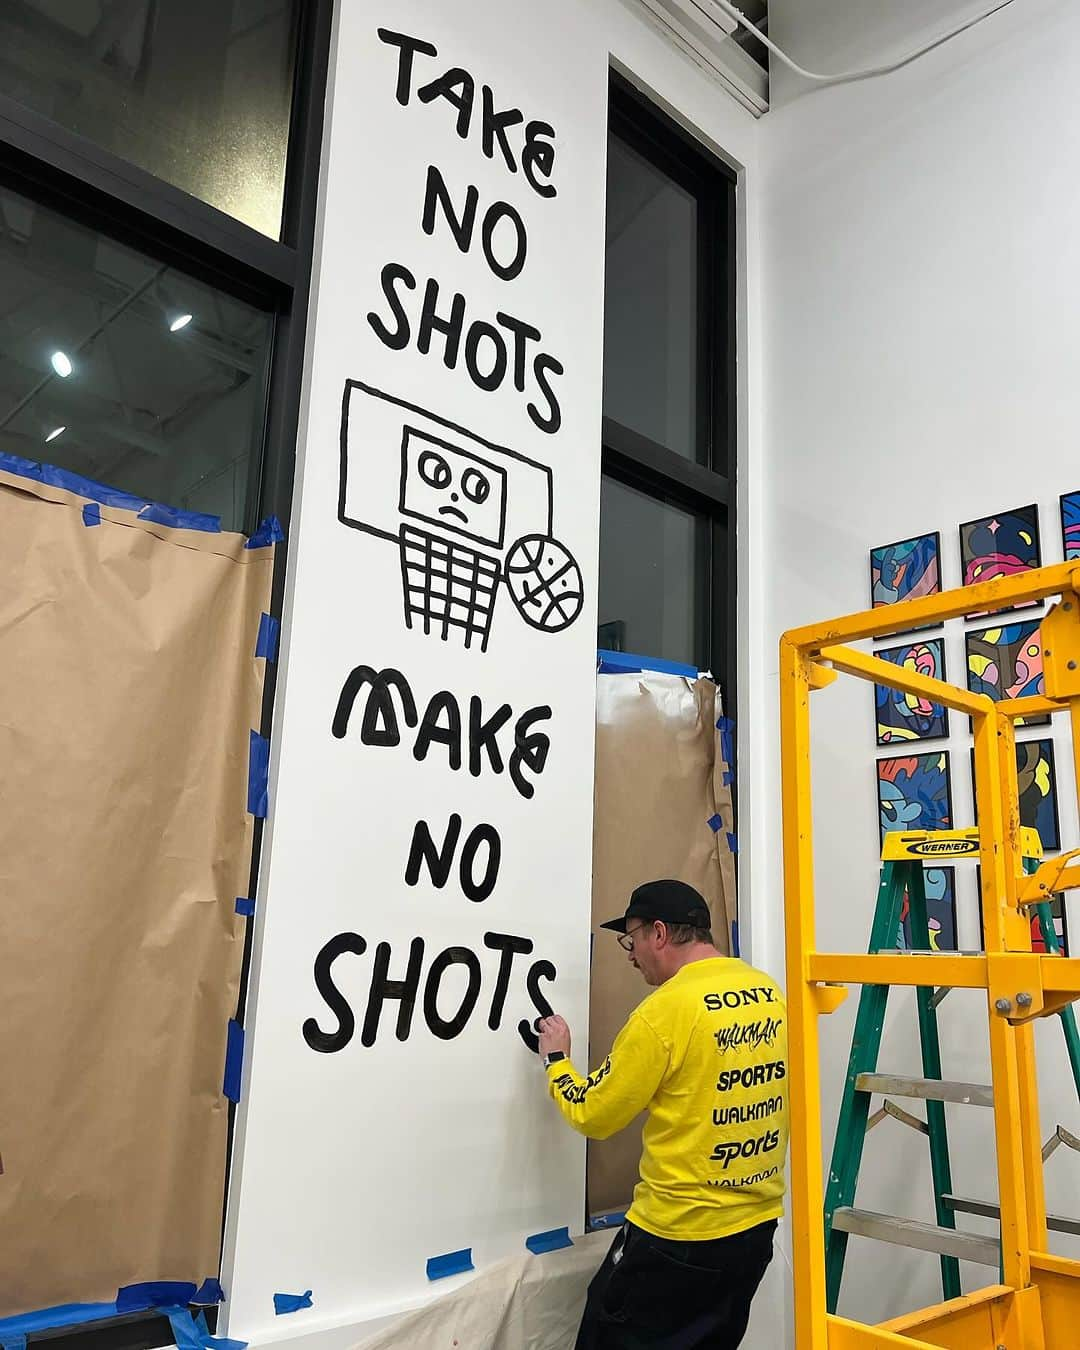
57 431
181 321
61 363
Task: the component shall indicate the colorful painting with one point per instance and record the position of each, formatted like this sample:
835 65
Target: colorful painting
1006 662
940 911
1070 524
906 716
906 571
1037 784
1000 545
914 793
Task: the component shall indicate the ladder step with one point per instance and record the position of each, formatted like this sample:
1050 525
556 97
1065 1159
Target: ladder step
923 1237
930 1089
960 1204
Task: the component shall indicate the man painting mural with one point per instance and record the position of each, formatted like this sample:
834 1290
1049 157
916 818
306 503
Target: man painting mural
706 1055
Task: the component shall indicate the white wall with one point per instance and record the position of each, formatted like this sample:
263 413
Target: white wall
920 264
307 1207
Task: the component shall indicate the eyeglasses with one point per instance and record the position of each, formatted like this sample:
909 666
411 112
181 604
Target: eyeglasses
626 940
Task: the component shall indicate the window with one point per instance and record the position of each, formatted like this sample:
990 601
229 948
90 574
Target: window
159 168
128 371
197 92
667 571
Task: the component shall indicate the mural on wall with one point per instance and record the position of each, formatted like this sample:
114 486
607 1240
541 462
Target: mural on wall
940 886
468 516
1006 662
1037 786
1070 525
1000 546
914 793
905 570
903 716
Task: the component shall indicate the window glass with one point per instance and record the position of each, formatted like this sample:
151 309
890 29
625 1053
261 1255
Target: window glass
126 371
651 303
197 92
654 564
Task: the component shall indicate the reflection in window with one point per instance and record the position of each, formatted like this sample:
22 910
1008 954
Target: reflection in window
197 92
654 563
651 303
127 371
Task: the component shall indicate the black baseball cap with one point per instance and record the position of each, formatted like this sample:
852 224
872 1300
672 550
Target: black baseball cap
668 901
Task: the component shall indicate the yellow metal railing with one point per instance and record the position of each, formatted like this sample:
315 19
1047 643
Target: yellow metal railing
1037 1305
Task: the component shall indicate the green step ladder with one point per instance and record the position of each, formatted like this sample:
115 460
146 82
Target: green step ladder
902 871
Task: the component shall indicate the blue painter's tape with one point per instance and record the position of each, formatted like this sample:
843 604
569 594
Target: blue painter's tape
13 1340
91 514
734 937
234 1062
715 823
180 520
290 1303
729 777
209 1293
245 906
258 775
269 532
453 1263
185 1333
223 1343
615 1220
725 724
627 663
550 1241
154 1294
733 842
61 1315
266 643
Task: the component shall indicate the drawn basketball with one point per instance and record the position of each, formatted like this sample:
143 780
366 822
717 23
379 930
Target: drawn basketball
544 582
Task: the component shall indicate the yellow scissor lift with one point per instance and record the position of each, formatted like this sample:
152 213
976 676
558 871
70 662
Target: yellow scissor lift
1037 1304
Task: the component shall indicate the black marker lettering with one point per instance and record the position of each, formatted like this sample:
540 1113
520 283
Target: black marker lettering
508 947
423 850
436 194
458 88
494 377
327 1042
483 735
380 725
447 1028
553 421
492 216
383 989
530 750
480 890
395 338
540 970
524 333
494 128
430 322
431 729
538 156
407 47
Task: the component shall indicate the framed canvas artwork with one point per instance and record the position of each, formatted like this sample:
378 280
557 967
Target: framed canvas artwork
940 883
1070 525
906 570
1006 662
905 717
914 793
1037 784
1000 546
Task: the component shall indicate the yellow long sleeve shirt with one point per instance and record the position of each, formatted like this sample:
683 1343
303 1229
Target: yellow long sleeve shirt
706 1054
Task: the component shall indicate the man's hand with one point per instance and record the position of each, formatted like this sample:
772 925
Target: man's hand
554 1035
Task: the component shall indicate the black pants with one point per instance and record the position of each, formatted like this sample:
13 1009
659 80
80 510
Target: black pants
654 1294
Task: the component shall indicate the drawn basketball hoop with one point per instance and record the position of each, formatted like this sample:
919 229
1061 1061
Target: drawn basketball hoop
450 501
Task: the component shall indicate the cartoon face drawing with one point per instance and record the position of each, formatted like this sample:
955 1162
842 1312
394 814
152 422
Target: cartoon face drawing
442 484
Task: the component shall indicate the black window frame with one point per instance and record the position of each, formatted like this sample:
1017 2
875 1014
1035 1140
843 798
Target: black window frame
61 170
640 462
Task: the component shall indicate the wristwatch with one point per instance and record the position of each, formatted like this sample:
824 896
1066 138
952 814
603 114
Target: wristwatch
553 1057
